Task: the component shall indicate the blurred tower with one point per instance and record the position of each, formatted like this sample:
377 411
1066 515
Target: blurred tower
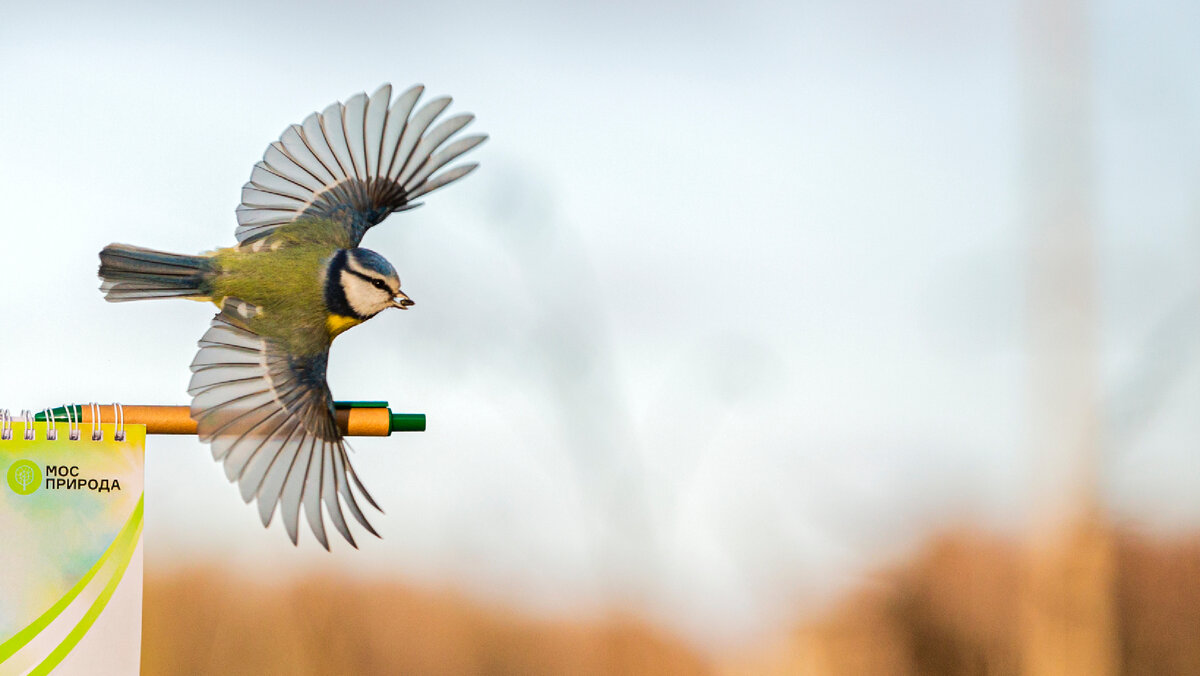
1068 603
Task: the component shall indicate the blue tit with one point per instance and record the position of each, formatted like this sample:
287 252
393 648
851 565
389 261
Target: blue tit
295 280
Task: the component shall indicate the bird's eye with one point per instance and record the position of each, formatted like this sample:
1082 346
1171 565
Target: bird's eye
379 284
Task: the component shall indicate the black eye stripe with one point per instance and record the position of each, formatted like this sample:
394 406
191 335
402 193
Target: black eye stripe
379 283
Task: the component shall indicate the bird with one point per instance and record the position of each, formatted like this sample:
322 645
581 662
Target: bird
295 280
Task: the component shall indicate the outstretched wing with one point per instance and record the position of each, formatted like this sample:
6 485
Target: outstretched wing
269 418
355 163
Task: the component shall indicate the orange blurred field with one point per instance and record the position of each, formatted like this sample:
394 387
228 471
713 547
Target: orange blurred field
960 607
209 621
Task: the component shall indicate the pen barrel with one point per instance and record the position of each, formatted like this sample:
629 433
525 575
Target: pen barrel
157 419
354 422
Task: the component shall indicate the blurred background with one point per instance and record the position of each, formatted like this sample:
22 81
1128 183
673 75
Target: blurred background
795 338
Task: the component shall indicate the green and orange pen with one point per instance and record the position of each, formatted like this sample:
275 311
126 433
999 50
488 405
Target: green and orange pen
354 418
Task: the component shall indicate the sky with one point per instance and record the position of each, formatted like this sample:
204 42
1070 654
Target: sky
734 309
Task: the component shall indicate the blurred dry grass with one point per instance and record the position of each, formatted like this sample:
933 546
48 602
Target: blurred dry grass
210 621
961 608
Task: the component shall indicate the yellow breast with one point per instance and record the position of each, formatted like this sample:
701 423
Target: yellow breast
339 323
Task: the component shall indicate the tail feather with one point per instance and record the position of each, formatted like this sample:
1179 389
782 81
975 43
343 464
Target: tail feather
133 273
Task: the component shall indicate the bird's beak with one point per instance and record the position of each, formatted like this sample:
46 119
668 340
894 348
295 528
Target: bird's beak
402 301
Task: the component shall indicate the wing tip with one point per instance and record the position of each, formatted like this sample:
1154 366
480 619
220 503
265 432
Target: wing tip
257 220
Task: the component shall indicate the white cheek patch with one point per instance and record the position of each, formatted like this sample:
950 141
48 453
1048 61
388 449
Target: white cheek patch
363 297
358 294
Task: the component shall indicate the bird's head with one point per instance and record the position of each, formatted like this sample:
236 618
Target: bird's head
361 284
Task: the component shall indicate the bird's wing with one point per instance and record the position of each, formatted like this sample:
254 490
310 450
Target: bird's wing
355 162
269 418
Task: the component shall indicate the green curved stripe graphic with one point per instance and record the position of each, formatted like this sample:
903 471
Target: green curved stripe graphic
119 544
124 554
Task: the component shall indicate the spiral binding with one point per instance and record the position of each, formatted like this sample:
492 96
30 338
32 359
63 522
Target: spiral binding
74 421
51 432
72 424
119 418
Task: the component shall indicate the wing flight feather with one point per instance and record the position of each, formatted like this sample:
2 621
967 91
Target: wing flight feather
269 420
355 163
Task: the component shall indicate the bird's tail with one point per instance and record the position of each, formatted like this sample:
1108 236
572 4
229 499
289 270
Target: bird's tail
134 273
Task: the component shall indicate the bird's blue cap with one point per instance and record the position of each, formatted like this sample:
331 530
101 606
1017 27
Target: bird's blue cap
373 261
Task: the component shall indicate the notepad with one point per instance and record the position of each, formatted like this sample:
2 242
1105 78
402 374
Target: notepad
71 505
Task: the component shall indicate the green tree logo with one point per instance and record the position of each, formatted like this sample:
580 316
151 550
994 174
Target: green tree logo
24 477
